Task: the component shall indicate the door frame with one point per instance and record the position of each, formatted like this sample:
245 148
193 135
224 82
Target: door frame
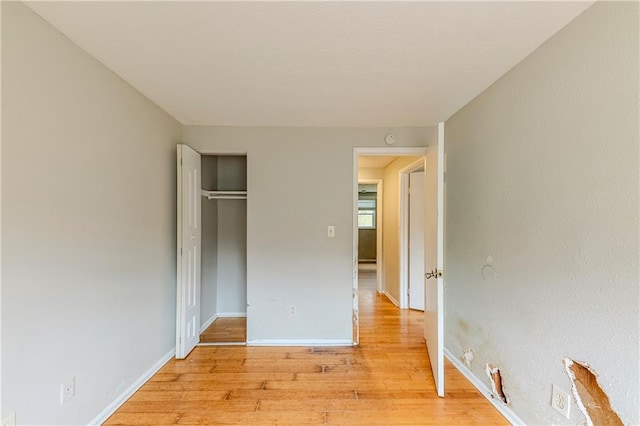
379 198
358 151
404 229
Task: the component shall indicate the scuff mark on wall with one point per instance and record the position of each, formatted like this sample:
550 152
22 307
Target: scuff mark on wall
591 399
496 382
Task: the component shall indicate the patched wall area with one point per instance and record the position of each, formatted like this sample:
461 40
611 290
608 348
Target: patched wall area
542 219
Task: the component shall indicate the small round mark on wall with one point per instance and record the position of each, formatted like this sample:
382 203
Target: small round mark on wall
489 273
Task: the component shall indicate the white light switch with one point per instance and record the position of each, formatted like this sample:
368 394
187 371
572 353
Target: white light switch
331 231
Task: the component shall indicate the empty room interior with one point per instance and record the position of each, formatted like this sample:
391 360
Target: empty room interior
320 212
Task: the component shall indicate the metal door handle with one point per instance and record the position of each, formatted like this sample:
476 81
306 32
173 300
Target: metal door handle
433 274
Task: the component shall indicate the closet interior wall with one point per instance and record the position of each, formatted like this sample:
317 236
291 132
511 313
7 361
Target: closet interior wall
224 239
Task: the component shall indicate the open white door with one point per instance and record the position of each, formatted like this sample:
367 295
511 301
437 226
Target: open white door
188 250
416 240
434 262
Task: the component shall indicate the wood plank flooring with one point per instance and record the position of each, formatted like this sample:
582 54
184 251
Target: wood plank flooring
225 330
385 381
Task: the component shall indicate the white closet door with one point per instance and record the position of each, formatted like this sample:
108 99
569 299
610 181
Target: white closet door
188 250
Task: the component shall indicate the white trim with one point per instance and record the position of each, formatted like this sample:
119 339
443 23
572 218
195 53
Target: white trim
208 323
391 298
300 342
124 396
496 402
403 237
355 314
232 314
393 151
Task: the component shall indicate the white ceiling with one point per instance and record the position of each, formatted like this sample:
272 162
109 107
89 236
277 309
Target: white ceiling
370 64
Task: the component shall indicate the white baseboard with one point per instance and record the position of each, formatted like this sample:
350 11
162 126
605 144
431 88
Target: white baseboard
117 403
300 342
231 314
208 323
390 297
500 406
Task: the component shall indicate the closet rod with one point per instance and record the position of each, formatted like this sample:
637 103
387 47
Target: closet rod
225 195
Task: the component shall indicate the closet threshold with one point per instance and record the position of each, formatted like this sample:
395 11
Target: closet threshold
225 195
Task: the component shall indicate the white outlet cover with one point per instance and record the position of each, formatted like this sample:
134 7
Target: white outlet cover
67 390
560 401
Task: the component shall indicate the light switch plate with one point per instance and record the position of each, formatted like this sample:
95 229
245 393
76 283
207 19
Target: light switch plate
331 231
67 390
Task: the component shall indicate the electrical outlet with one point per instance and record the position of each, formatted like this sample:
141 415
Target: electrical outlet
292 310
10 420
67 390
560 401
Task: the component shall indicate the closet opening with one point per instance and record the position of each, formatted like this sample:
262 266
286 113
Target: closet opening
223 309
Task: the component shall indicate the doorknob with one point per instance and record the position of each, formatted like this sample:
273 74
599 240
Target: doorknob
433 274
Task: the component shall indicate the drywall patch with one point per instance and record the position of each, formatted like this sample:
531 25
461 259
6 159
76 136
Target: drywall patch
591 399
488 273
468 357
496 382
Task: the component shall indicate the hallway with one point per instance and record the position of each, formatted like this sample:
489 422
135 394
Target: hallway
386 380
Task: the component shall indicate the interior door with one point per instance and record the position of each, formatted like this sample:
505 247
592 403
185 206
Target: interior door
416 240
188 251
434 261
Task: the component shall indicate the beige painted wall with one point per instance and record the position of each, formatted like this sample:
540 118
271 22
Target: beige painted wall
542 176
290 260
88 221
370 173
232 237
391 223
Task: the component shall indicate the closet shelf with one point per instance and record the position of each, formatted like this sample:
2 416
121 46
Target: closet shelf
224 195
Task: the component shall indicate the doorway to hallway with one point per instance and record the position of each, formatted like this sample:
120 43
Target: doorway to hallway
432 160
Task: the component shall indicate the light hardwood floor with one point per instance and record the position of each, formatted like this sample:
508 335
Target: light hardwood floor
385 381
225 330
